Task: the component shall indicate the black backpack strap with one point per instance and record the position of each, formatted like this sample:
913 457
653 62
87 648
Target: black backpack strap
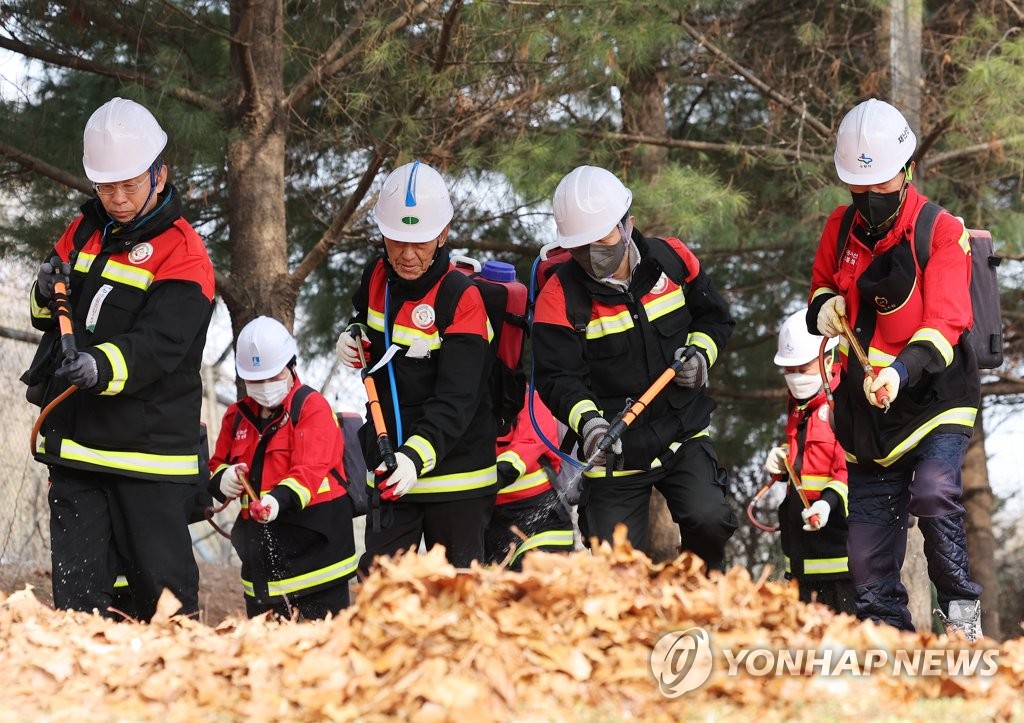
670 262
923 232
447 300
298 399
845 226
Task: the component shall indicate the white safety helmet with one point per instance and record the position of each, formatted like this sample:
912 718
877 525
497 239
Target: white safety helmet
121 140
263 349
873 144
797 346
414 206
588 203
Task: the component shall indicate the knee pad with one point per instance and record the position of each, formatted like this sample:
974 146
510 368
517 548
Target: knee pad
935 489
873 552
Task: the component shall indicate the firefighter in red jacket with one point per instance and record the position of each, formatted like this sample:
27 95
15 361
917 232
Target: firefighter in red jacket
123 452
295 542
813 539
527 500
607 325
433 392
911 324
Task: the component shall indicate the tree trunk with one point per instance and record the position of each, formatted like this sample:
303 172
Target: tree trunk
643 113
663 533
904 34
981 542
255 169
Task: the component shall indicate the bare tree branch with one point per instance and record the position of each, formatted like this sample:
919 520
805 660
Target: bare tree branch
381 151
733 148
73 62
991 146
38 165
796 107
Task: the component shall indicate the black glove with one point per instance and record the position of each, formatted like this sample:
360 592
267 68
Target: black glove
50 272
507 474
82 372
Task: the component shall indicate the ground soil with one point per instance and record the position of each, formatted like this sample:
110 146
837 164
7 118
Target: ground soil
220 589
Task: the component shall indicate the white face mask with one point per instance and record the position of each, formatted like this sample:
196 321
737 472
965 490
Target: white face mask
803 386
268 394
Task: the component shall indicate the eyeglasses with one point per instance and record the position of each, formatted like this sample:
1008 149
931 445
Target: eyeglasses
128 188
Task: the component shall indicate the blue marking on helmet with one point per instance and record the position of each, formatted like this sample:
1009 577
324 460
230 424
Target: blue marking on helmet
410 190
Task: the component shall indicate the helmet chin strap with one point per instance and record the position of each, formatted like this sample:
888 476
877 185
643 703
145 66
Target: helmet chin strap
127 225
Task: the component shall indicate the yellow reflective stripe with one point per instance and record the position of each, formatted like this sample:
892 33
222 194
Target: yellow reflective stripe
789 568
512 457
425 450
290 585
490 331
129 275
171 465
38 312
666 304
561 538
705 342
607 325
823 290
597 472
965 242
221 467
578 410
878 358
121 581
814 482
843 490
823 565
458 482
84 262
525 482
407 336
118 366
295 486
325 486
658 462
375 320
963 416
936 339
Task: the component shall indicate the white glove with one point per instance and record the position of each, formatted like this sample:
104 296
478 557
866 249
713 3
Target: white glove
270 509
401 480
828 316
230 484
815 516
348 351
776 462
887 379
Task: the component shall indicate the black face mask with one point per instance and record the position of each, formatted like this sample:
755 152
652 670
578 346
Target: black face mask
878 209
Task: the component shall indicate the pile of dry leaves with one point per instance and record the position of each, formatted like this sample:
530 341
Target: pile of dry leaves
569 638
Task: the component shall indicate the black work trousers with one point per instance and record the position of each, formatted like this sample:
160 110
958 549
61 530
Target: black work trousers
311 606
693 485
102 524
458 525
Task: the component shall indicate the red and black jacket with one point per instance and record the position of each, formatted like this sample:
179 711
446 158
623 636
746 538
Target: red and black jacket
821 465
591 356
141 302
524 462
920 324
300 465
440 378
